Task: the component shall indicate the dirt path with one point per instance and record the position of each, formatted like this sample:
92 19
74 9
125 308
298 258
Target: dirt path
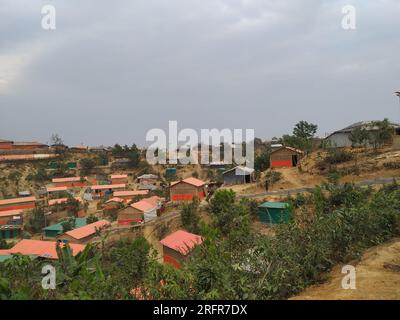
377 277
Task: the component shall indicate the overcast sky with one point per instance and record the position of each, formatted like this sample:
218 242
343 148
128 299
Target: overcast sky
109 73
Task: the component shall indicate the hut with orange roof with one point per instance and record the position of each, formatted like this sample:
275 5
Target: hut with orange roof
137 212
178 245
119 178
24 203
187 190
83 234
38 248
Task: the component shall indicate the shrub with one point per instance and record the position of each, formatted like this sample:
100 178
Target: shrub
92 218
337 155
190 216
392 165
273 176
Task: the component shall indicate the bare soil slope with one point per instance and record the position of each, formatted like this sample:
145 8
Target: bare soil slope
377 277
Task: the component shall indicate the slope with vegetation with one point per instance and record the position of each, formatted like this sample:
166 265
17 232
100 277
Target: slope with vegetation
333 225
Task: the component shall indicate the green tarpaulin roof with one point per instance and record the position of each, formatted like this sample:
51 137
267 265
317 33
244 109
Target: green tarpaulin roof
274 205
79 222
5 257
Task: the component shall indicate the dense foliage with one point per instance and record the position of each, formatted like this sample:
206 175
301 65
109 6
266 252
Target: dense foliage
86 166
190 216
303 132
334 224
132 153
379 133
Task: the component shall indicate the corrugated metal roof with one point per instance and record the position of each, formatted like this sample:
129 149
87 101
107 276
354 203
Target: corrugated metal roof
239 170
119 176
17 200
130 193
29 143
193 181
79 222
143 205
9 213
27 157
182 241
80 147
88 230
52 202
116 199
368 125
154 200
108 186
68 179
42 248
288 148
147 187
56 189
148 176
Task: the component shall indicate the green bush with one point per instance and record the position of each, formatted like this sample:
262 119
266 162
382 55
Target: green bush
338 155
233 262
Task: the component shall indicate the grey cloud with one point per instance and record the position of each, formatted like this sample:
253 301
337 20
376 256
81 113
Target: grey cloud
112 71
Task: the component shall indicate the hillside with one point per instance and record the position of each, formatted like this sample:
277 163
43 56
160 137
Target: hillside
377 277
364 165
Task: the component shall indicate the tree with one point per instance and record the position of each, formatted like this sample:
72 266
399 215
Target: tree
15 176
37 220
382 134
39 176
69 224
190 216
130 259
305 130
223 200
86 166
117 150
102 158
261 162
73 206
358 137
112 213
227 216
195 174
56 140
134 156
4 244
91 218
58 144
